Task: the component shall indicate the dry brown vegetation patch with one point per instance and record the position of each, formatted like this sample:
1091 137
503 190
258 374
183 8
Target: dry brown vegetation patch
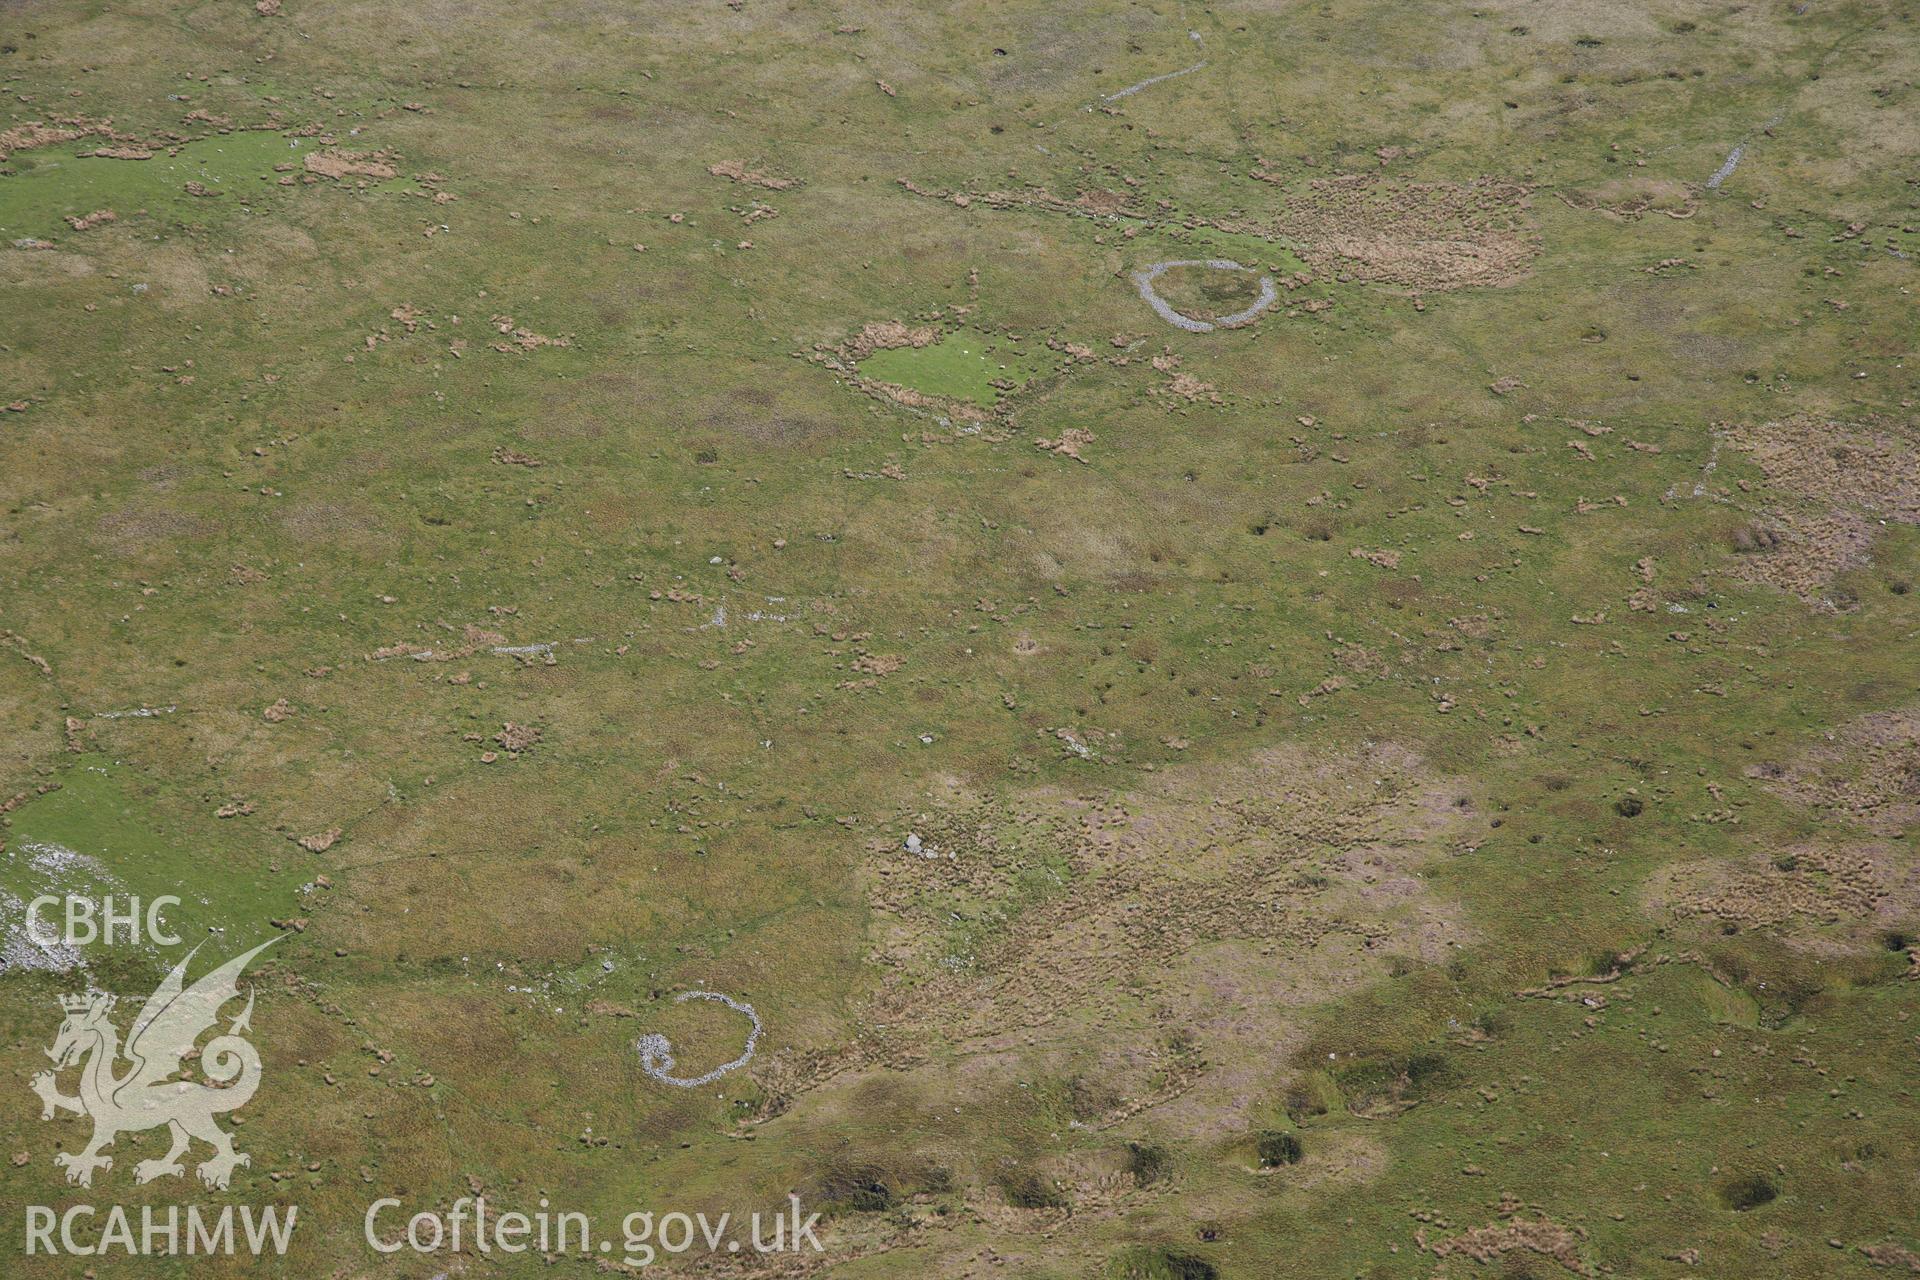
1830 482
1540 1235
1192 390
1425 235
519 338
884 335
50 133
1372 227
908 398
1807 884
336 164
1068 443
1628 199
736 171
1092 203
998 918
1892 1255
1868 773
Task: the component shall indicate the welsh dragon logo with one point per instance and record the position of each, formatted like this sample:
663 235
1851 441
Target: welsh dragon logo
143 1096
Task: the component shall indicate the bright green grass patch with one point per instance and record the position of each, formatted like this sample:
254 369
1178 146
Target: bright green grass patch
961 366
54 183
96 837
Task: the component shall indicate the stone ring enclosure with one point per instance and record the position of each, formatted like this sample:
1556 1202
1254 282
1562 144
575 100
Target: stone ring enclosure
1144 278
656 1051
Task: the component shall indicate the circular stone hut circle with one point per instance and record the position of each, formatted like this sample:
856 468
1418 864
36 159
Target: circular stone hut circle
656 1051
1143 281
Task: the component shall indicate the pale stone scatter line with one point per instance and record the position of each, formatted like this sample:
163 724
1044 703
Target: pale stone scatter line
1725 171
140 712
1713 464
656 1051
1143 281
1734 156
1153 80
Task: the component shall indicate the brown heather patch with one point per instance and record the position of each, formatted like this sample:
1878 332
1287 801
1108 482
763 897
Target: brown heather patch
51 133
140 528
1868 773
1891 1255
1489 1243
1430 236
738 172
1073 897
885 335
1806 884
1373 227
336 164
1828 484
1629 199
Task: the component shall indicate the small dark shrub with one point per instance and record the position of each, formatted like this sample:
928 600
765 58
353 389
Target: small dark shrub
1160 1264
859 1188
1029 1189
1754 537
1747 1193
1148 1162
1276 1148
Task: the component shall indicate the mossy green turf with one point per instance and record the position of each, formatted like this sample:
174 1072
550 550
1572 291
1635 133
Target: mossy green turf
144 855
233 486
48 186
959 366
